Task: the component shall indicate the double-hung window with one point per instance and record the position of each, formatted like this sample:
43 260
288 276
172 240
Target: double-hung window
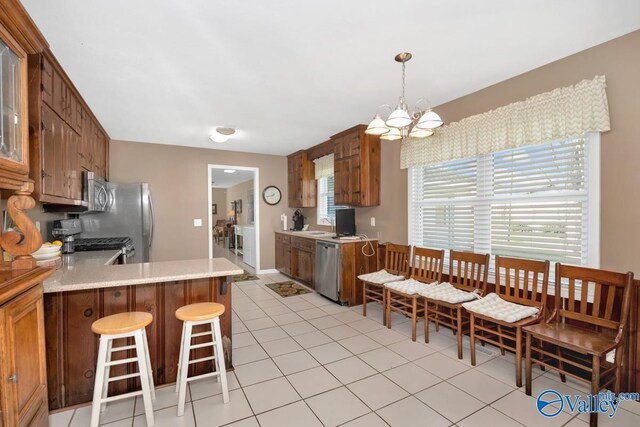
326 207
537 201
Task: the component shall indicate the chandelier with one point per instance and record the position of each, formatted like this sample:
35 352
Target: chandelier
418 123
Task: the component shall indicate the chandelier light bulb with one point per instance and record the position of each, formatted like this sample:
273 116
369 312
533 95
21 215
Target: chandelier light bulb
399 118
393 135
429 120
376 127
416 132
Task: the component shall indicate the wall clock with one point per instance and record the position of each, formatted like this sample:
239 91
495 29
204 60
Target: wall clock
272 195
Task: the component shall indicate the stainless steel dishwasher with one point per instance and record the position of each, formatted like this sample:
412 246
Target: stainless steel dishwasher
327 269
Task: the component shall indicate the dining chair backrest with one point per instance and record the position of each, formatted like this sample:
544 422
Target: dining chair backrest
594 297
522 281
468 271
427 264
396 259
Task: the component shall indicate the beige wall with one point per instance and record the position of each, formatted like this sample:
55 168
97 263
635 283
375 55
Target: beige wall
240 192
391 215
619 61
177 177
219 198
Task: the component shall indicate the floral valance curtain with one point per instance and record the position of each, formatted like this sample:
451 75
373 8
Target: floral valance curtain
560 114
324 166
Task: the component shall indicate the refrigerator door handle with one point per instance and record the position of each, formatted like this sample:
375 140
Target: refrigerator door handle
150 219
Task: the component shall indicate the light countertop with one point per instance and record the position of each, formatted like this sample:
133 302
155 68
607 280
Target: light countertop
326 237
94 269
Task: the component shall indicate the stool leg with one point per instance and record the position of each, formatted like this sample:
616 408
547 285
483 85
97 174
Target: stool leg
148 359
144 376
184 366
215 351
105 387
97 388
180 361
220 360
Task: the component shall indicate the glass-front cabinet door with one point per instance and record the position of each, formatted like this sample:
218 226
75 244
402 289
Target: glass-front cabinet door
13 106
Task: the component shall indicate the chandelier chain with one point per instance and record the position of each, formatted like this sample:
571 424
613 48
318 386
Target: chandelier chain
403 78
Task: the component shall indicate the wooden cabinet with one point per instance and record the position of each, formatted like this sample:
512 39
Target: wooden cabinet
356 168
283 253
295 257
301 181
65 138
69 315
303 259
23 389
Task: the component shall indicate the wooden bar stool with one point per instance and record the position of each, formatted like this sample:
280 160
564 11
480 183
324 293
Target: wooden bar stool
193 315
123 325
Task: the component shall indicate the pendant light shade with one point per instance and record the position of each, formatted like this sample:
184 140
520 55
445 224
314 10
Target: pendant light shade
429 120
399 118
377 127
420 133
393 135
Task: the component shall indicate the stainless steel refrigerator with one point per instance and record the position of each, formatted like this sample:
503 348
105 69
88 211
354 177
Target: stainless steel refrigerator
128 213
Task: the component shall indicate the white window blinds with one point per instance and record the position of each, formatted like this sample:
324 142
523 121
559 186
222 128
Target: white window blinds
326 208
538 202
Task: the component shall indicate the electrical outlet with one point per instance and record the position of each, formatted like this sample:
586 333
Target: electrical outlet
38 225
373 221
197 222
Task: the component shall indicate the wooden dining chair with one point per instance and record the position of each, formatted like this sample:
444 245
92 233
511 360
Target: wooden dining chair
396 262
426 268
518 281
583 328
468 272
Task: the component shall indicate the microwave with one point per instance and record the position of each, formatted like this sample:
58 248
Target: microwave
95 193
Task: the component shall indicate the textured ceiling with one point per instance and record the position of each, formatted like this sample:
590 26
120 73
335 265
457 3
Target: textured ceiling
288 74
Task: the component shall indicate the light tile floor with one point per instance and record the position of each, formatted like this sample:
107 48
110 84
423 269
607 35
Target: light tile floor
306 361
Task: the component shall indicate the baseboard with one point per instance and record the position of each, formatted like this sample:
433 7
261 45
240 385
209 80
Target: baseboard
268 271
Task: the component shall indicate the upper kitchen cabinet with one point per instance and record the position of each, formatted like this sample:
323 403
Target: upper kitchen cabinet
14 148
302 183
65 137
356 168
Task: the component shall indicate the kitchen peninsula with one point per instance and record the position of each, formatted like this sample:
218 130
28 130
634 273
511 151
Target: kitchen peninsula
88 287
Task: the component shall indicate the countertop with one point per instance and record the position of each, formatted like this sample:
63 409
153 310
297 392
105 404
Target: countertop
327 237
94 269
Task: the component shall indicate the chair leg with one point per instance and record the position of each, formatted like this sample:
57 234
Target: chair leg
414 318
105 387
384 304
220 360
98 386
563 377
426 321
184 367
518 357
595 388
472 336
436 319
616 384
364 299
180 360
459 331
527 365
144 376
500 340
387 308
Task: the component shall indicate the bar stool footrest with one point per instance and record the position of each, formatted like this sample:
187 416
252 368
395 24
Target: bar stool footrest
202 359
124 377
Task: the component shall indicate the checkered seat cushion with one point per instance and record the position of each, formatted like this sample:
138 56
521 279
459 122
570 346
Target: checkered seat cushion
494 306
448 293
380 277
409 287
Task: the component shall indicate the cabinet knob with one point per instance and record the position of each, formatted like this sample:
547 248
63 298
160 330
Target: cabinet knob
13 378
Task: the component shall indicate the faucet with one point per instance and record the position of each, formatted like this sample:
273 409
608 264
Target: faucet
331 222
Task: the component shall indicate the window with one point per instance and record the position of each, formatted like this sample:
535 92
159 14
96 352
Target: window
326 208
537 201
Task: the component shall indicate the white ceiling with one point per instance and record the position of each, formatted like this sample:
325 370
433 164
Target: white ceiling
289 74
220 179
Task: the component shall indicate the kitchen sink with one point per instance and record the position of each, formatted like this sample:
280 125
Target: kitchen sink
317 233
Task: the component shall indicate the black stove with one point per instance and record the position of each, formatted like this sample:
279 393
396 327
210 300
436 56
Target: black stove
104 243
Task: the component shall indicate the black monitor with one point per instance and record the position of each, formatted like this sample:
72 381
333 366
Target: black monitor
346 222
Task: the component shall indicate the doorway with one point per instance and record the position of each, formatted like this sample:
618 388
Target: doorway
234 212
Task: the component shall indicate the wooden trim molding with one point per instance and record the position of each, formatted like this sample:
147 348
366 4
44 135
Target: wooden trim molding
15 18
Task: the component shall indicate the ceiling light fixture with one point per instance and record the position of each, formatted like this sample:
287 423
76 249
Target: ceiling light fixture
229 171
222 134
401 122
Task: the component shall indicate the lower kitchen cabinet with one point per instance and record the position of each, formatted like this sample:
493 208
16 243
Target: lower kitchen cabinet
23 364
295 257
